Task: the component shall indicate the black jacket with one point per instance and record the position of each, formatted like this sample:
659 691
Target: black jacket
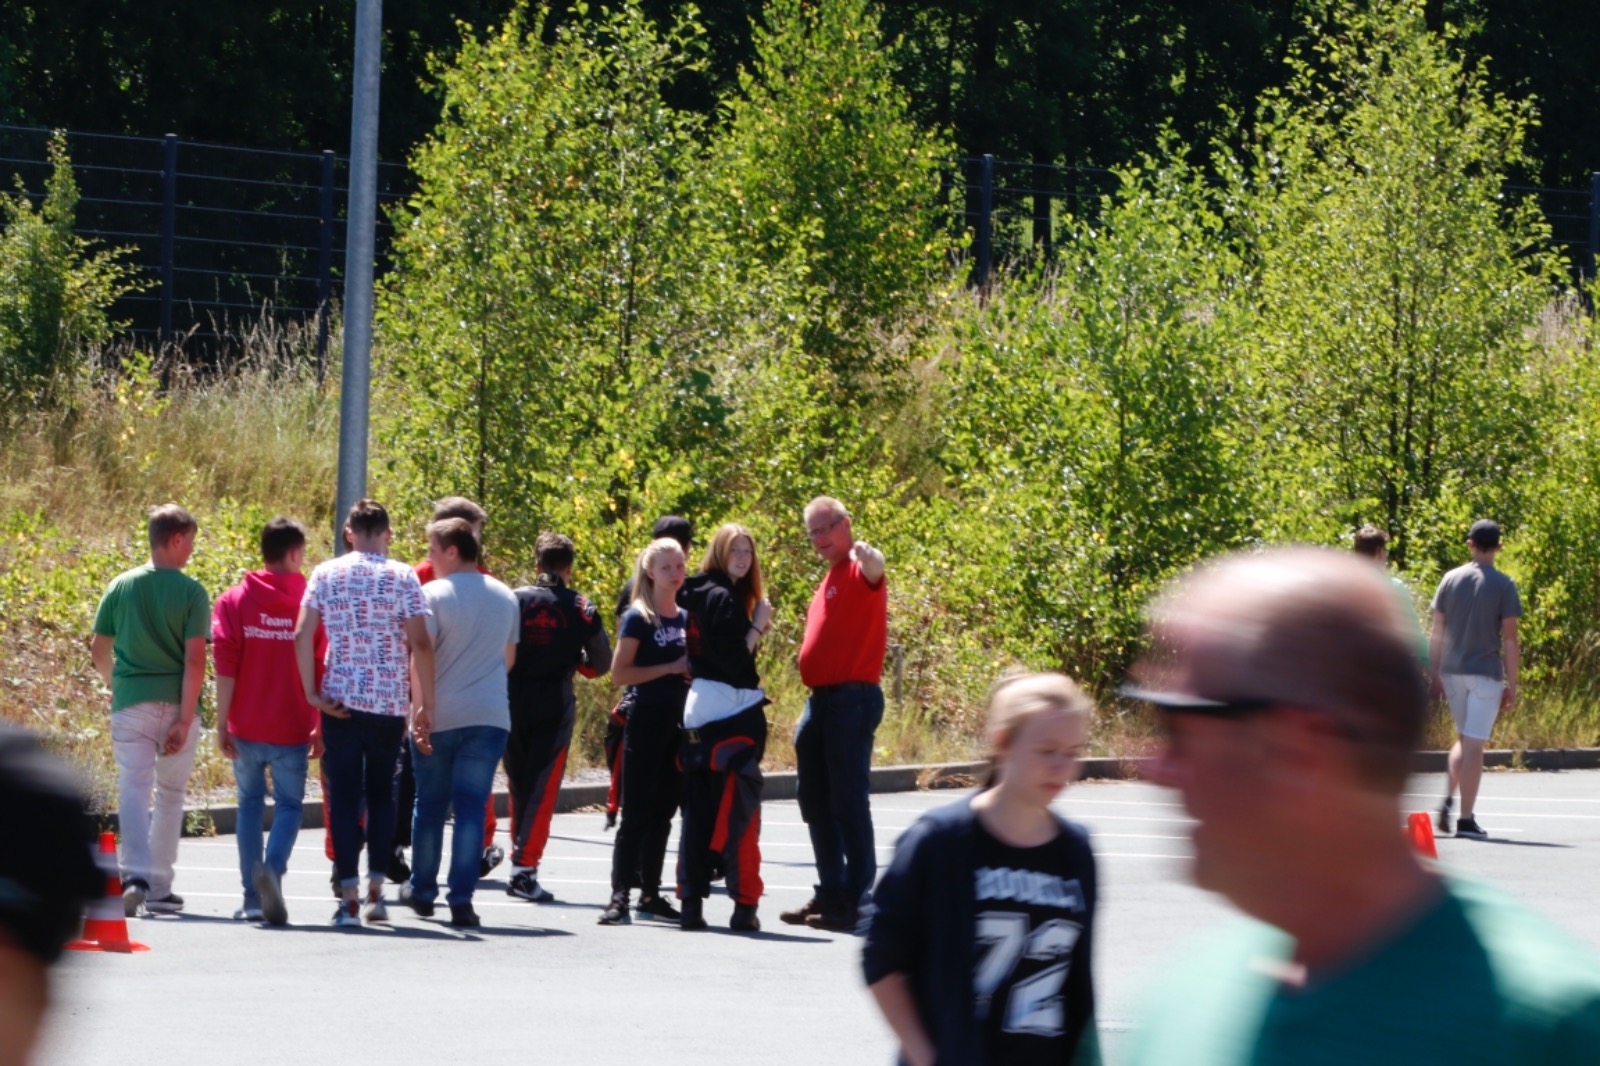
922 922
718 631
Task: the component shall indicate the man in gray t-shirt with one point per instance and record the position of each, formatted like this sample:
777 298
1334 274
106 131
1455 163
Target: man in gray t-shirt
455 749
1475 656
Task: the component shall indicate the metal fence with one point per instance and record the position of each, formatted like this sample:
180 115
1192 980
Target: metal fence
225 234
221 233
1016 210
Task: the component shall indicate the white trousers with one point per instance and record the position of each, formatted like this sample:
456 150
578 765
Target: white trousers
150 841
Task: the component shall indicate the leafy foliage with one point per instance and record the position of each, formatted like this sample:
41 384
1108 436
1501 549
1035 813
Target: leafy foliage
54 292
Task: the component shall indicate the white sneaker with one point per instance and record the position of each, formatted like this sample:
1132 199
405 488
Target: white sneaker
348 915
247 914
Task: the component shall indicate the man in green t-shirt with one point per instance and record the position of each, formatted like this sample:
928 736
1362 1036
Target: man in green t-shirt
1291 701
149 647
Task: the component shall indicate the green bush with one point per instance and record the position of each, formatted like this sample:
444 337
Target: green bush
55 292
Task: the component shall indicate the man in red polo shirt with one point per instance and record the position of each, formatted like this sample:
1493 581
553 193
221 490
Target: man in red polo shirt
841 661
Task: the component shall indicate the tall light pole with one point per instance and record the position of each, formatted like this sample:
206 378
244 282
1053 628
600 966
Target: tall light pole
356 374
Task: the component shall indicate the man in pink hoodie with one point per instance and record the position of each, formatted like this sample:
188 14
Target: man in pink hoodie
263 718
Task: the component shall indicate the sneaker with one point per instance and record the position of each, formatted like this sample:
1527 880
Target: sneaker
422 907
693 916
616 912
657 907
377 910
134 892
744 919
836 920
348 916
799 915
399 870
171 903
611 821
462 916
1468 827
247 914
493 856
524 884
271 893
1444 814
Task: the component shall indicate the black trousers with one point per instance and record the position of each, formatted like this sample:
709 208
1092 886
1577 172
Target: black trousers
651 787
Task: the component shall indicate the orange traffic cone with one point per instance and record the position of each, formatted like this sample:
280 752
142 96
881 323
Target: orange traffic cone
105 927
1419 830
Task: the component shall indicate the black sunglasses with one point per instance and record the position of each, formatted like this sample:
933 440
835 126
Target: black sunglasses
1187 703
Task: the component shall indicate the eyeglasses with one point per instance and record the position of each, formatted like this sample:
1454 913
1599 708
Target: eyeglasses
825 530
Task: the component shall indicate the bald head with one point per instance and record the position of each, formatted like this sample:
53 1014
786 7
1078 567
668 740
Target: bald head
1298 627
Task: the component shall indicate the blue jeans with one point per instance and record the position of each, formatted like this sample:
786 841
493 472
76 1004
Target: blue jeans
833 760
288 762
459 773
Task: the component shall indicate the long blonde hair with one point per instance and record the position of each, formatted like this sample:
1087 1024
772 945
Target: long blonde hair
644 586
1019 695
751 588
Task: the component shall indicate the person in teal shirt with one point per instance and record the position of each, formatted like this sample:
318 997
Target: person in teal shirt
149 647
1291 703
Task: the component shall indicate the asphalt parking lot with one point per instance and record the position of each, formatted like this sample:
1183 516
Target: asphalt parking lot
546 983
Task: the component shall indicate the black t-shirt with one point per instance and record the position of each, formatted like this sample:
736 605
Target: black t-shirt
659 644
1031 986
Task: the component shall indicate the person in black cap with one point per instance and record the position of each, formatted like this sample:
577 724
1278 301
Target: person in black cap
1290 704
47 875
1474 657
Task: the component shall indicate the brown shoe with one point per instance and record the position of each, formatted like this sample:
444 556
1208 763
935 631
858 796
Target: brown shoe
799 915
840 920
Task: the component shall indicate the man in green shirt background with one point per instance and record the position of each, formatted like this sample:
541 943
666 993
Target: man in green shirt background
1291 700
149 647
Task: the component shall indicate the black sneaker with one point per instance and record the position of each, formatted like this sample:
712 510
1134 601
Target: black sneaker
744 919
171 903
799 915
616 912
493 856
399 871
524 884
693 916
135 891
422 907
657 907
462 916
611 821
1444 814
1468 827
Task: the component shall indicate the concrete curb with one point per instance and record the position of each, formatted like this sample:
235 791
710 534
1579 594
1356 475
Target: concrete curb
782 785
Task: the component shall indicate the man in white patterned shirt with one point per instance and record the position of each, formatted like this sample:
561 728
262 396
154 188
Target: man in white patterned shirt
372 609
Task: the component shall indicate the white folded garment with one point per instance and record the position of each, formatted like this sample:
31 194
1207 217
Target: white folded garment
712 701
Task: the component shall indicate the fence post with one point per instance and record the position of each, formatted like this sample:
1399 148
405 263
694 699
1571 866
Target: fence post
1594 222
325 265
169 225
985 237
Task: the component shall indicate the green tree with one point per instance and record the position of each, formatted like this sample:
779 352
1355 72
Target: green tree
56 291
563 299
1398 283
824 161
1095 416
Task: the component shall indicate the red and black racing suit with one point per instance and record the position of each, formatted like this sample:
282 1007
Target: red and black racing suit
561 633
721 761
